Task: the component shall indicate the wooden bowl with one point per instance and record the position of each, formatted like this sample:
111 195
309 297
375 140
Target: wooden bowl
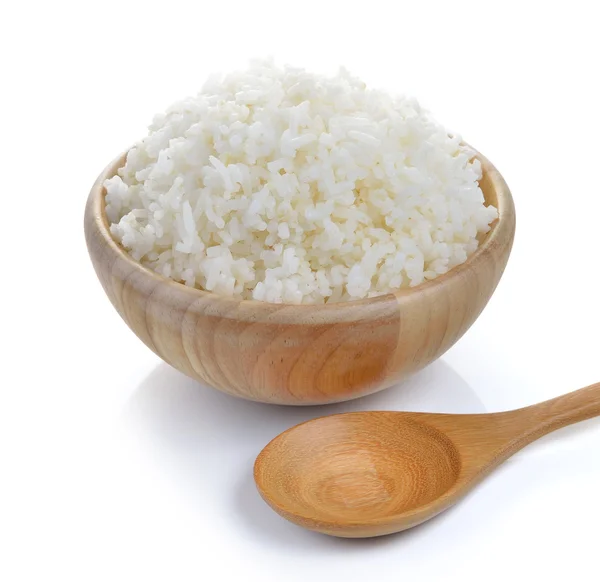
300 354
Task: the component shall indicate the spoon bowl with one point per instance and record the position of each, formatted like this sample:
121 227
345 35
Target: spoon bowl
366 467
364 474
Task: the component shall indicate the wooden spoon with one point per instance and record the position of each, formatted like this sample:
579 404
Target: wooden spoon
364 474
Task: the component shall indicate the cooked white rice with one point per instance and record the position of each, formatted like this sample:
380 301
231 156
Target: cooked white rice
283 186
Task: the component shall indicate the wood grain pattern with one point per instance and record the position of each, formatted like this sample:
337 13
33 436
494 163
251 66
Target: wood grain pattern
367 474
289 354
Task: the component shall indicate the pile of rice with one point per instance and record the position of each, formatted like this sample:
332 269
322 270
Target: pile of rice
279 185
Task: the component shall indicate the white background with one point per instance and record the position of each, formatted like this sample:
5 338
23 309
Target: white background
115 466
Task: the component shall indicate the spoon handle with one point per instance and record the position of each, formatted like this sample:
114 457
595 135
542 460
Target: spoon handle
545 417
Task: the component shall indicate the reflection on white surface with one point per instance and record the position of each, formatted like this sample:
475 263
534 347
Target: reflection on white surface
207 441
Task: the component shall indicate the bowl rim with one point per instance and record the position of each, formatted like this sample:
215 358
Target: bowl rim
497 233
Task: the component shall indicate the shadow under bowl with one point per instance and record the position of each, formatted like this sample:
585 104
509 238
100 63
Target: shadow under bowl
300 354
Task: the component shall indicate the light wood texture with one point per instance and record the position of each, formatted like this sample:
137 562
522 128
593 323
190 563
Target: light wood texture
367 474
289 354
